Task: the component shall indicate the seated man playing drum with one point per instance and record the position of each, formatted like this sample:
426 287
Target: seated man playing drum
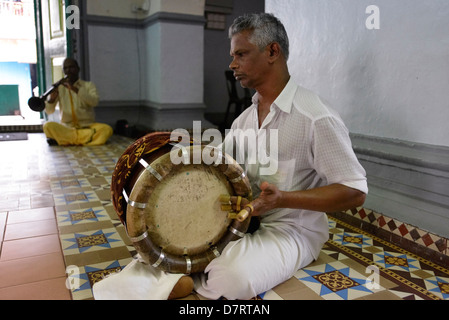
317 169
76 99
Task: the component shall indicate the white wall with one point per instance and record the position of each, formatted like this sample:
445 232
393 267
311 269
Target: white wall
148 69
114 68
392 82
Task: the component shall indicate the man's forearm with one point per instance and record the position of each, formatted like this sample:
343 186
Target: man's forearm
335 197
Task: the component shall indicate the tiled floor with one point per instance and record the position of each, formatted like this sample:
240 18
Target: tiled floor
56 218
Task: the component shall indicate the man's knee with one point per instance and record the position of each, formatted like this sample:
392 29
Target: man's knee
49 128
102 132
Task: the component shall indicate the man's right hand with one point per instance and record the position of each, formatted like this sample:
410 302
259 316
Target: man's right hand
53 96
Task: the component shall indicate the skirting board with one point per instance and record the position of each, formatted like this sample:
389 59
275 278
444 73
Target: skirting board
407 181
152 116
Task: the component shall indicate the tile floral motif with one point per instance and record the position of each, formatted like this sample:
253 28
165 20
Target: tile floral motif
90 241
69 184
439 286
80 216
396 261
335 281
353 239
74 198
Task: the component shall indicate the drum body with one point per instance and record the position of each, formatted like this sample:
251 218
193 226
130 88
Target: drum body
168 200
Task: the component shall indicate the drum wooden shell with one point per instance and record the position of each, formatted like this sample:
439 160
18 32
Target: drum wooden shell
171 211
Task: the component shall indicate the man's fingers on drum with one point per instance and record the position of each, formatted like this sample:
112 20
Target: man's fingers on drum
235 203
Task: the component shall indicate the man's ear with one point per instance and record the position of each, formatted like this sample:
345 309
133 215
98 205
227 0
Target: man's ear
274 51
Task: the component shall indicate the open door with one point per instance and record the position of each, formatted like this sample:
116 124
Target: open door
51 43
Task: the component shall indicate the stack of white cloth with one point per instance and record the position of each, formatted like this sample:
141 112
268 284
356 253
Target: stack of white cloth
137 281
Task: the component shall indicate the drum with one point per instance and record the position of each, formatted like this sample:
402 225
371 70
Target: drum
171 209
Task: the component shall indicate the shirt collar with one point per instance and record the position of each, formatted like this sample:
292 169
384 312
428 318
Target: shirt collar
285 99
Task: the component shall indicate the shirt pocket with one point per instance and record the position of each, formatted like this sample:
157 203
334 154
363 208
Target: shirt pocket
279 173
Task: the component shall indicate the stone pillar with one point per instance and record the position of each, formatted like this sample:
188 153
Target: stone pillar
174 60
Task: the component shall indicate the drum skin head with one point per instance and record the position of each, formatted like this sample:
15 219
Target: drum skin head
184 213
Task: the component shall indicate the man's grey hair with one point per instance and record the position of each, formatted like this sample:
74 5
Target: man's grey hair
266 30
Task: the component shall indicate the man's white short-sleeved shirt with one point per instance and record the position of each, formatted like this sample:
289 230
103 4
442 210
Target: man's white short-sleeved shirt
302 144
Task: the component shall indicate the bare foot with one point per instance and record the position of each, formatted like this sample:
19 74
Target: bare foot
182 288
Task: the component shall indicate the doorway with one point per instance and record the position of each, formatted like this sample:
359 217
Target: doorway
33 42
18 60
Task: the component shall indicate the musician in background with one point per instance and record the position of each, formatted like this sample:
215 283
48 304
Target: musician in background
77 99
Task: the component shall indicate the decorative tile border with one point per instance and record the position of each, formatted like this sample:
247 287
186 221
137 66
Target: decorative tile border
411 238
405 271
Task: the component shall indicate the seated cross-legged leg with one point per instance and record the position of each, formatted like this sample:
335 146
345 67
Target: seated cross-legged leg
62 134
254 264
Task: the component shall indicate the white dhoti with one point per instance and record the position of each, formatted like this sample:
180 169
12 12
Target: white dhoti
256 263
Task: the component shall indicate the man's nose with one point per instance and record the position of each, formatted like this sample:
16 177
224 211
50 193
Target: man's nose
233 65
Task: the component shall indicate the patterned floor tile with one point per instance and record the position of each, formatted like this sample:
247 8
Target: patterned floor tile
335 281
270 295
88 241
75 198
81 216
396 261
439 286
353 240
69 184
409 273
81 279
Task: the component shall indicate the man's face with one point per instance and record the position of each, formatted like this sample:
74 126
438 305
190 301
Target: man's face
71 70
248 62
